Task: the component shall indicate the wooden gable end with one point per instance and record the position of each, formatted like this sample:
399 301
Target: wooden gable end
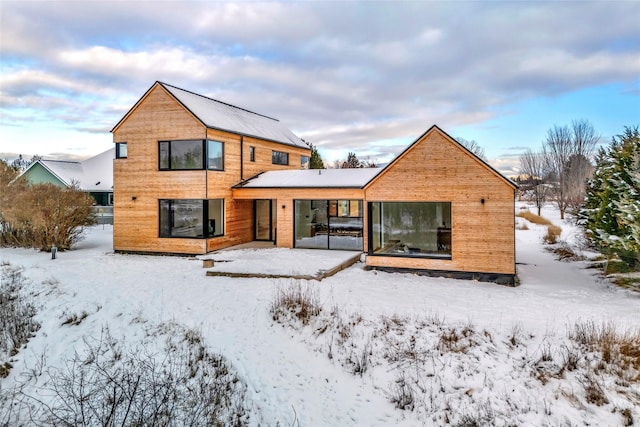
157 110
438 169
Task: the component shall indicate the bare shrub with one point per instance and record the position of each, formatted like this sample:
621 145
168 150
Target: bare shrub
183 386
17 324
553 233
456 339
531 217
295 302
594 392
42 215
402 394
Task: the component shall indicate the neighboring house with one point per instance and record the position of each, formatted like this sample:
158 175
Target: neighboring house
200 175
94 176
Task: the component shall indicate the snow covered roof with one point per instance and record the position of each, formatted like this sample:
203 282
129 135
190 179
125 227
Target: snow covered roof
219 115
312 178
94 174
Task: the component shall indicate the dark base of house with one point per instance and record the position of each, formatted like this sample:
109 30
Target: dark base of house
499 278
176 254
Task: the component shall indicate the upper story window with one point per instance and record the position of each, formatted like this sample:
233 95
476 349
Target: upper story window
304 162
252 153
121 150
190 154
279 158
215 155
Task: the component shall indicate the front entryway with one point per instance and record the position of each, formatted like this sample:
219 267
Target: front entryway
265 221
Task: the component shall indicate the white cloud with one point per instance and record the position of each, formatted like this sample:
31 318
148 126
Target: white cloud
340 74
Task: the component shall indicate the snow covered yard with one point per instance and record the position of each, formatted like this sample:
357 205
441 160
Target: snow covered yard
447 351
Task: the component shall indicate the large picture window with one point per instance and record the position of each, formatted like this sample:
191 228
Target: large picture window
191 218
279 158
414 229
329 224
190 154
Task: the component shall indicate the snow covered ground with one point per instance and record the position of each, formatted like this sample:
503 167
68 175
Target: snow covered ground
297 375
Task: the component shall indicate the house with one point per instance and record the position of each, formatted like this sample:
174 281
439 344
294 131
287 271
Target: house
93 175
435 209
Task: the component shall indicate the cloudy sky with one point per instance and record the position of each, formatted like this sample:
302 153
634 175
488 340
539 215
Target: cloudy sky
367 77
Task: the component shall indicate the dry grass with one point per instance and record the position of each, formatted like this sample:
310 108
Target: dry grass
619 352
553 233
531 217
523 226
295 302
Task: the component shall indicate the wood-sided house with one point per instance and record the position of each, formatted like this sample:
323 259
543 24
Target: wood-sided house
193 175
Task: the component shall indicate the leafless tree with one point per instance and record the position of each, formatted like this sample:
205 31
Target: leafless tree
564 143
532 164
473 146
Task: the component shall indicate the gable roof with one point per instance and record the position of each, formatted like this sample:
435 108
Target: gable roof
346 178
452 140
93 174
312 178
215 114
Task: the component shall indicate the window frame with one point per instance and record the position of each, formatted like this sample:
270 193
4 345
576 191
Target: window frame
204 161
204 231
274 158
447 256
305 162
209 168
252 153
119 146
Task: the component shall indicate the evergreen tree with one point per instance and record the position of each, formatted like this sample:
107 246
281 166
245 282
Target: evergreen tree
612 206
352 162
315 162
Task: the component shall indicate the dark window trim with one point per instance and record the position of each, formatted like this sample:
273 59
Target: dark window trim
205 219
274 158
118 151
444 257
252 153
327 201
205 155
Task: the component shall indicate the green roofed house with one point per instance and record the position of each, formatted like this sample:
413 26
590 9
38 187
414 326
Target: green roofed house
94 176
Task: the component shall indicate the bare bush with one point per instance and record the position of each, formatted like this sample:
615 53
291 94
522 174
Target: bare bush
295 302
42 215
17 324
109 384
402 394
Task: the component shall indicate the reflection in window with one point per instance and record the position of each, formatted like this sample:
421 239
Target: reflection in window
215 221
121 150
279 158
329 224
191 218
411 229
304 162
214 155
190 154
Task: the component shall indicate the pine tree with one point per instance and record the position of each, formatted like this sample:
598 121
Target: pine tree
316 161
612 207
